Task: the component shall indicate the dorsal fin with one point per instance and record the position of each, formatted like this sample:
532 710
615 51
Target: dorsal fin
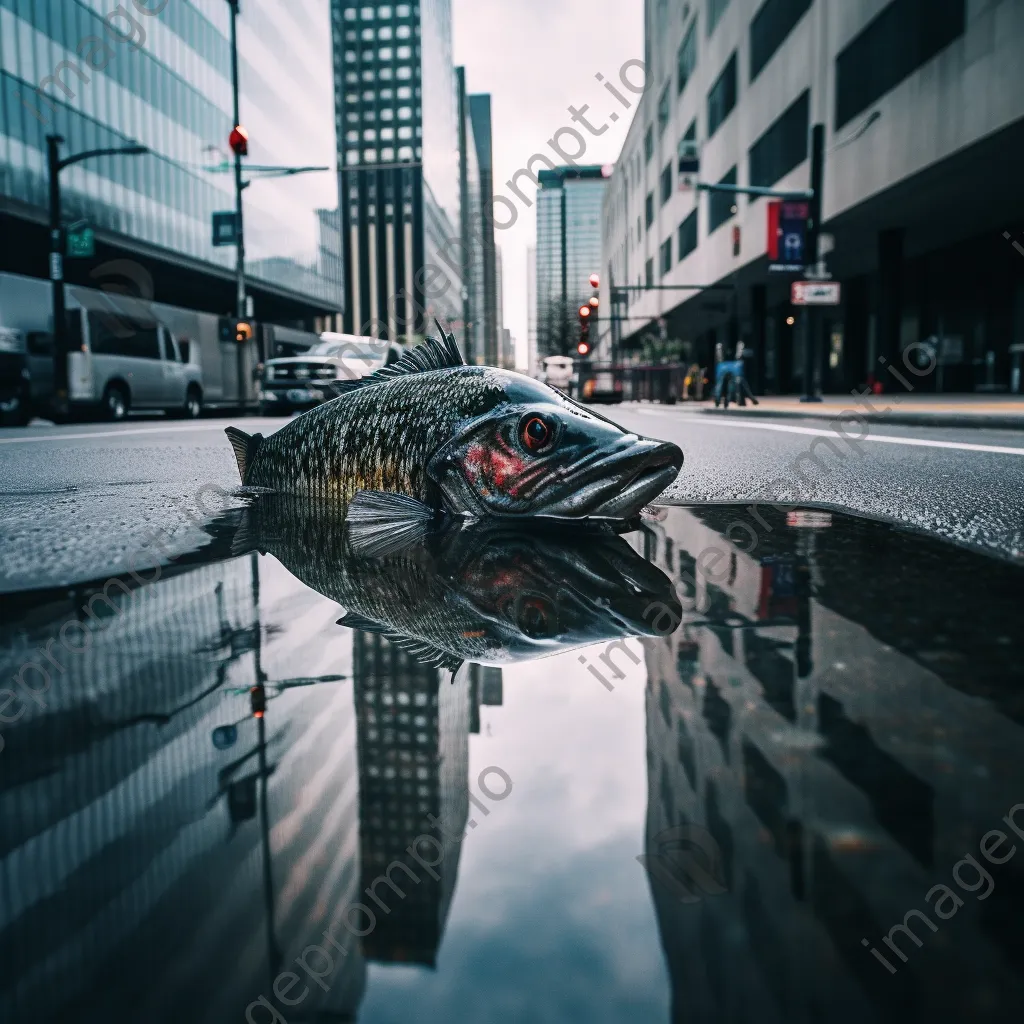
431 355
245 447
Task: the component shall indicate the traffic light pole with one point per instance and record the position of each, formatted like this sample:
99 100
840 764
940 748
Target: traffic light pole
240 304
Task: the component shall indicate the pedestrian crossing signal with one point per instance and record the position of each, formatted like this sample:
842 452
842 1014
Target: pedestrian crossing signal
243 331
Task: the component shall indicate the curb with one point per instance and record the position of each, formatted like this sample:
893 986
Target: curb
988 421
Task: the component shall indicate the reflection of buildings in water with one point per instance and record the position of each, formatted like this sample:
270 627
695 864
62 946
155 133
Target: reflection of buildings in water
414 730
132 857
840 776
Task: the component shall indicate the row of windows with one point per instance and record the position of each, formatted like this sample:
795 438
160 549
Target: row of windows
404 73
384 11
386 134
384 33
385 53
387 155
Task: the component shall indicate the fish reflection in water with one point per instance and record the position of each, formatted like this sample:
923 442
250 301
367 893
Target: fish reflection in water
491 592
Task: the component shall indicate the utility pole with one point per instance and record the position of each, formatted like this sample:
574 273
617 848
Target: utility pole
810 319
564 340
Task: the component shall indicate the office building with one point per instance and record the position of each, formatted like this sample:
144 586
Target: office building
922 103
159 74
480 114
472 252
569 203
532 365
397 98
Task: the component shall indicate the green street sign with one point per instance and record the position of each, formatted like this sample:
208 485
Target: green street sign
81 243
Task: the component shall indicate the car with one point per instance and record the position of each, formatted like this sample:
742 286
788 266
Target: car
301 382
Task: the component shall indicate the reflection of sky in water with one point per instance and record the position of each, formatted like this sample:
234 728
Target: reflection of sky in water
552 917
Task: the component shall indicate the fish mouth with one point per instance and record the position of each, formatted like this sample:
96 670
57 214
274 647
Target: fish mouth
621 484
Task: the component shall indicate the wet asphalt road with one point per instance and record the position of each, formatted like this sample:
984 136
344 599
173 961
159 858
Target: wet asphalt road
83 501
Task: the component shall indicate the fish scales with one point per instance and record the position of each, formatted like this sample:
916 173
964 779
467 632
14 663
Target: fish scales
378 438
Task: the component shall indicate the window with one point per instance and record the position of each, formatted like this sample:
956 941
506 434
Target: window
352 156
649 273
722 97
649 209
404 52
367 34
688 236
367 13
122 336
403 92
649 144
907 34
403 32
384 53
403 73
402 11
687 57
384 33
387 134
716 8
722 205
783 146
405 132
370 156
350 14
666 183
387 153
666 256
768 31
405 153
387 114
404 113
384 12
664 109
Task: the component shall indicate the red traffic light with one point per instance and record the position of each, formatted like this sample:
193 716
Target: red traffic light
258 700
584 312
593 300
595 280
238 140
583 348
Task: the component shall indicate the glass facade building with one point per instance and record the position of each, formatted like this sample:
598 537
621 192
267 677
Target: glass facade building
158 72
396 96
569 203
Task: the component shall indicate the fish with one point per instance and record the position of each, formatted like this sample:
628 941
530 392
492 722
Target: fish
459 439
492 591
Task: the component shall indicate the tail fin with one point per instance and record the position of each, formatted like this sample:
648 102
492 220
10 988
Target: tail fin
245 447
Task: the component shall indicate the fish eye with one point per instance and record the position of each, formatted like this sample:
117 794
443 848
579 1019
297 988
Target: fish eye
533 616
536 434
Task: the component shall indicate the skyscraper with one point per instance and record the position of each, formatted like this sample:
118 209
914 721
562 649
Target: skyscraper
398 142
158 73
472 255
480 114
568 250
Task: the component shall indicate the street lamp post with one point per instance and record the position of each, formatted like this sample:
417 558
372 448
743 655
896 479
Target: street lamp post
55 165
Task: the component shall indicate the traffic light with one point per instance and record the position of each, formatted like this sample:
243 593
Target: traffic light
238 140
583 347
258 700
595 281
243 331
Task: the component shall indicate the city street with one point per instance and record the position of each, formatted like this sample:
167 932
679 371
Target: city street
81 501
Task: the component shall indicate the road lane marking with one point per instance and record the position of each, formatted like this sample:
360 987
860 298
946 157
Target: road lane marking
919 442
117 433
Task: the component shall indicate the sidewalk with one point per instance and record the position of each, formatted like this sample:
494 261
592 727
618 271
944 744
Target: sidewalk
994 412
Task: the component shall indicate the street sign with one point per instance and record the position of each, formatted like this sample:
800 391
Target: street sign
787 235
81 243
225 228
815 293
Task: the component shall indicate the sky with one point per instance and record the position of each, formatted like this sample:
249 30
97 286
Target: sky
536 58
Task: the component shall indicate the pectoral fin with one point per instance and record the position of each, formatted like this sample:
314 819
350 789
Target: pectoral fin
380 523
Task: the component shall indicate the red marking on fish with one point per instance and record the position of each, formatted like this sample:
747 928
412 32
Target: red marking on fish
500 468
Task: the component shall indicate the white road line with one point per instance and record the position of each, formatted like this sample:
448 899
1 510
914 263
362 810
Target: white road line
751 424
113 433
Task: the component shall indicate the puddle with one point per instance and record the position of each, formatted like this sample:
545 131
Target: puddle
793 792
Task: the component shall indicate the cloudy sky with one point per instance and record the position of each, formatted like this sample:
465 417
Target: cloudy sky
536 58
